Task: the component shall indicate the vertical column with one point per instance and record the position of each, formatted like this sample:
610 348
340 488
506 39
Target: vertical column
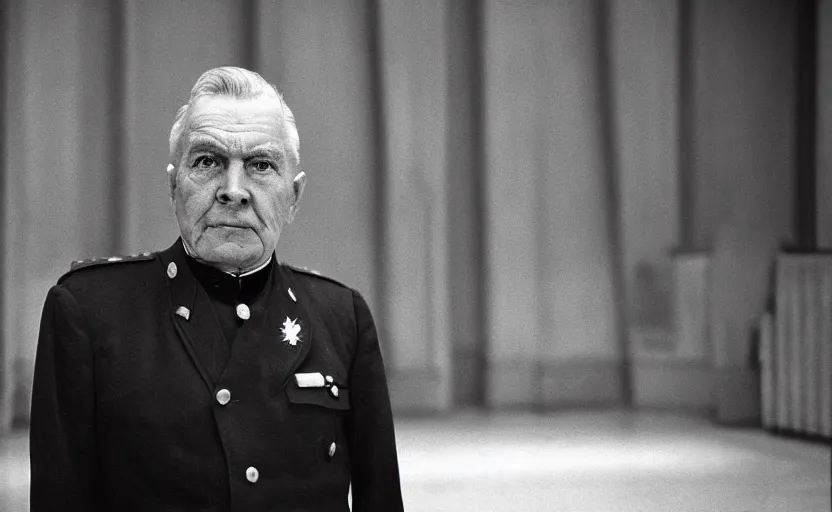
6 348
824 125
100 171
550 284
804 216
319 55
465 159
512 167
413 60
168 45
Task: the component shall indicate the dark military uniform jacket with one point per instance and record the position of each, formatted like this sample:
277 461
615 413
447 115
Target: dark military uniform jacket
139 403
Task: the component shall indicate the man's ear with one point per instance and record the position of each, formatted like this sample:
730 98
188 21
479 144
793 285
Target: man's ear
171 180
298 185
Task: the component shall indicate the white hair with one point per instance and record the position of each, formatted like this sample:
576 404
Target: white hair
241 84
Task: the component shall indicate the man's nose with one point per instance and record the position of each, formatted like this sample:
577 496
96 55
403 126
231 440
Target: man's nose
234 188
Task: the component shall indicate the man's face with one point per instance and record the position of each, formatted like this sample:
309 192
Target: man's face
233 185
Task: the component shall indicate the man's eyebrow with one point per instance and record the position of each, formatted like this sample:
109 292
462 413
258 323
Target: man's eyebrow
269 148
199 142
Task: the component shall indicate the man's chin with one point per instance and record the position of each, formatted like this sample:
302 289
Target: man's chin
232 257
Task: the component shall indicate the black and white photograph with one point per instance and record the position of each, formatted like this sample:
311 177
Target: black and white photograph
416 255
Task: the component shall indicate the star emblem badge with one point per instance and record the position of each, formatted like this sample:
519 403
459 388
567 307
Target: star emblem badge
291 331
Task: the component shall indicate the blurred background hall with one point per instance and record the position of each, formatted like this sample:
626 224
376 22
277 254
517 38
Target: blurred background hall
596 234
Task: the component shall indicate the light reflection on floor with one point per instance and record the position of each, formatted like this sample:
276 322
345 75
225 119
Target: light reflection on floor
575 462
512 461
603 462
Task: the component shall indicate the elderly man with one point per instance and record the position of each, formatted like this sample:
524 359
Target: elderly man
210 376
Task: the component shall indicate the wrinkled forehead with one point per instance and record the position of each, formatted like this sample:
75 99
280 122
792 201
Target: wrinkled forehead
233 114
255 120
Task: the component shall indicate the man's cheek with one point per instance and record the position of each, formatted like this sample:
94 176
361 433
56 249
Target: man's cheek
197 203
282 208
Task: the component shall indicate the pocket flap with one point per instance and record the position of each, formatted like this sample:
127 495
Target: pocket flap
317 396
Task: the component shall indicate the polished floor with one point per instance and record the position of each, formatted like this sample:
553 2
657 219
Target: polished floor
576 462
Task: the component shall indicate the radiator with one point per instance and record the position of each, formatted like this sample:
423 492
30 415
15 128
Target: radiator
796 347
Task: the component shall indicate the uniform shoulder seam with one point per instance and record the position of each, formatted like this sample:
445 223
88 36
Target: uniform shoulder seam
315 273
77 265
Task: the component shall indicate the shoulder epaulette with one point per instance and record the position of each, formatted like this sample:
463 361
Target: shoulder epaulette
315 273
94 262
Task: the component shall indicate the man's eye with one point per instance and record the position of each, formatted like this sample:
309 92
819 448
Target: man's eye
263 166
206 163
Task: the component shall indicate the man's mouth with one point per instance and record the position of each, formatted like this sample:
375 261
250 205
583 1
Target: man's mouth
229 225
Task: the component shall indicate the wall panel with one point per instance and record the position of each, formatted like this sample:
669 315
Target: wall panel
643 44
743 87
580 334
824 125
414 77
59 166
10 16
512 169
551 311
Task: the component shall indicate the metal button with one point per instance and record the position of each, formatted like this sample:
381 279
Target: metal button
333 390
332 449
329 379
243 312
223 396
172 270
252 474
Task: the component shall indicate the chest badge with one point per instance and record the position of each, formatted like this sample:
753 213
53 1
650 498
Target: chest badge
183 312
291 331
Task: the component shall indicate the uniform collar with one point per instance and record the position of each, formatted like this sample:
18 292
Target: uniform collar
229 288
